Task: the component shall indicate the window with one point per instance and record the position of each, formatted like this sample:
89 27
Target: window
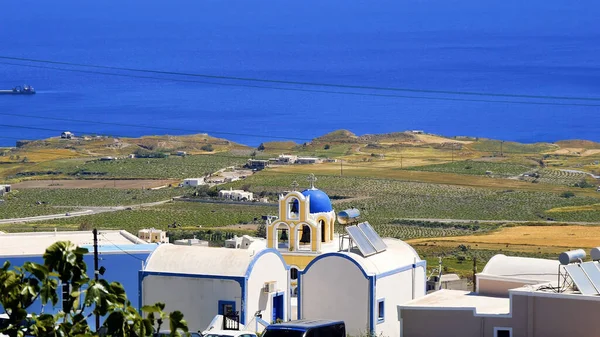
294 273
502 332
380 310
226 308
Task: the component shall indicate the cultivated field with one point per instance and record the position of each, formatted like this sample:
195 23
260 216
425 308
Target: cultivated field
75 184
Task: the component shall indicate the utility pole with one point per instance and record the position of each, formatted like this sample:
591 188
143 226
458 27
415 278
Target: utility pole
96 271
453 152
341 167
501 153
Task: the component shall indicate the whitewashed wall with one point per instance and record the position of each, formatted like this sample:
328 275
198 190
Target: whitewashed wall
197 298
397 289
335 288
268 267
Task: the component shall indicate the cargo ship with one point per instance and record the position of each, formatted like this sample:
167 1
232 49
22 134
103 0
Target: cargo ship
18 90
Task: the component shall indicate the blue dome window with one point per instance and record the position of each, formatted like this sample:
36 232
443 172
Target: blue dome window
319 200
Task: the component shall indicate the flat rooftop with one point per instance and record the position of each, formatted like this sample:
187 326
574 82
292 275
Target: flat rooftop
457 299
35 243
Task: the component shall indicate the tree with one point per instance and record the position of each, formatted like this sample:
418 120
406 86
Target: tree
261 147
83 297
261 231
207 148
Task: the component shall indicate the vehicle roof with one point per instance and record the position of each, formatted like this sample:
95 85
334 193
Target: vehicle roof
228 332
304 323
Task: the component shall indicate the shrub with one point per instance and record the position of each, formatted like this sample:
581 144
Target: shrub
567 194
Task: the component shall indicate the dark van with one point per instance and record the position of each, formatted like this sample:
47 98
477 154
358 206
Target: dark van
307 328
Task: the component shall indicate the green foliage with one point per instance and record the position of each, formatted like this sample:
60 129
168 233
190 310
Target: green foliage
567 194
21 286
475 168
143 153
261 147
207 148
488 145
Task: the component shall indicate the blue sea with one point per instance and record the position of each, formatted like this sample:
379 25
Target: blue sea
521 47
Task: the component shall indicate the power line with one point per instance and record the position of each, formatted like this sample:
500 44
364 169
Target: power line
124 251
251 79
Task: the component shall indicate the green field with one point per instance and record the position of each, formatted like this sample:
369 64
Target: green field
190 215
140 168
498 169
31 202
382 201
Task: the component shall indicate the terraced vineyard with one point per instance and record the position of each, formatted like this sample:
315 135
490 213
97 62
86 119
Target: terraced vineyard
556 177
383 200
476 168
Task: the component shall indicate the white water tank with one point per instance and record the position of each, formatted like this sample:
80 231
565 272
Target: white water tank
595 253
571 256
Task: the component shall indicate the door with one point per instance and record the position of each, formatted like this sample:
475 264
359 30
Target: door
278 305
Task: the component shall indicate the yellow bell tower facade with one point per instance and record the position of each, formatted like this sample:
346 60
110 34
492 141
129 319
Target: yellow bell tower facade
305 227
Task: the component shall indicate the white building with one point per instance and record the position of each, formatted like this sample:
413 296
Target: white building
152 235
193 182
362 291
308 160
238 195
204 282
4 189
191 242
287 159
245 242
67 135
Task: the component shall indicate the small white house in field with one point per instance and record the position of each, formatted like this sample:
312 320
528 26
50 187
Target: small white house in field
193 182
204 282
362 291
236 195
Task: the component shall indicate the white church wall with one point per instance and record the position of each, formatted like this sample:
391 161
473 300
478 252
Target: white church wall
268 267
394 290
197 298
335 288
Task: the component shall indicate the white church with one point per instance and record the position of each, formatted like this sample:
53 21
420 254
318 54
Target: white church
303 270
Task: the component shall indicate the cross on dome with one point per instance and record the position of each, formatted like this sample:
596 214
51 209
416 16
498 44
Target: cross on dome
294 185
311 178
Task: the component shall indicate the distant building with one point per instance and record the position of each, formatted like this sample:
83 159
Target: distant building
244 242
67 135
419 132
287 159
152 235
191 242
193 182
108 158
447 281
307 160
239 195
257 164
4 189
131 156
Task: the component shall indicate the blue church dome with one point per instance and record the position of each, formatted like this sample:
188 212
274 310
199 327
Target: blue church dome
319 200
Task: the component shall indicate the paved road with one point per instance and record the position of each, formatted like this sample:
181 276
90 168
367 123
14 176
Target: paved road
86 211
508 221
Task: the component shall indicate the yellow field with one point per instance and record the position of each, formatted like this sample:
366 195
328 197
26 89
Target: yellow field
564 237
584 208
